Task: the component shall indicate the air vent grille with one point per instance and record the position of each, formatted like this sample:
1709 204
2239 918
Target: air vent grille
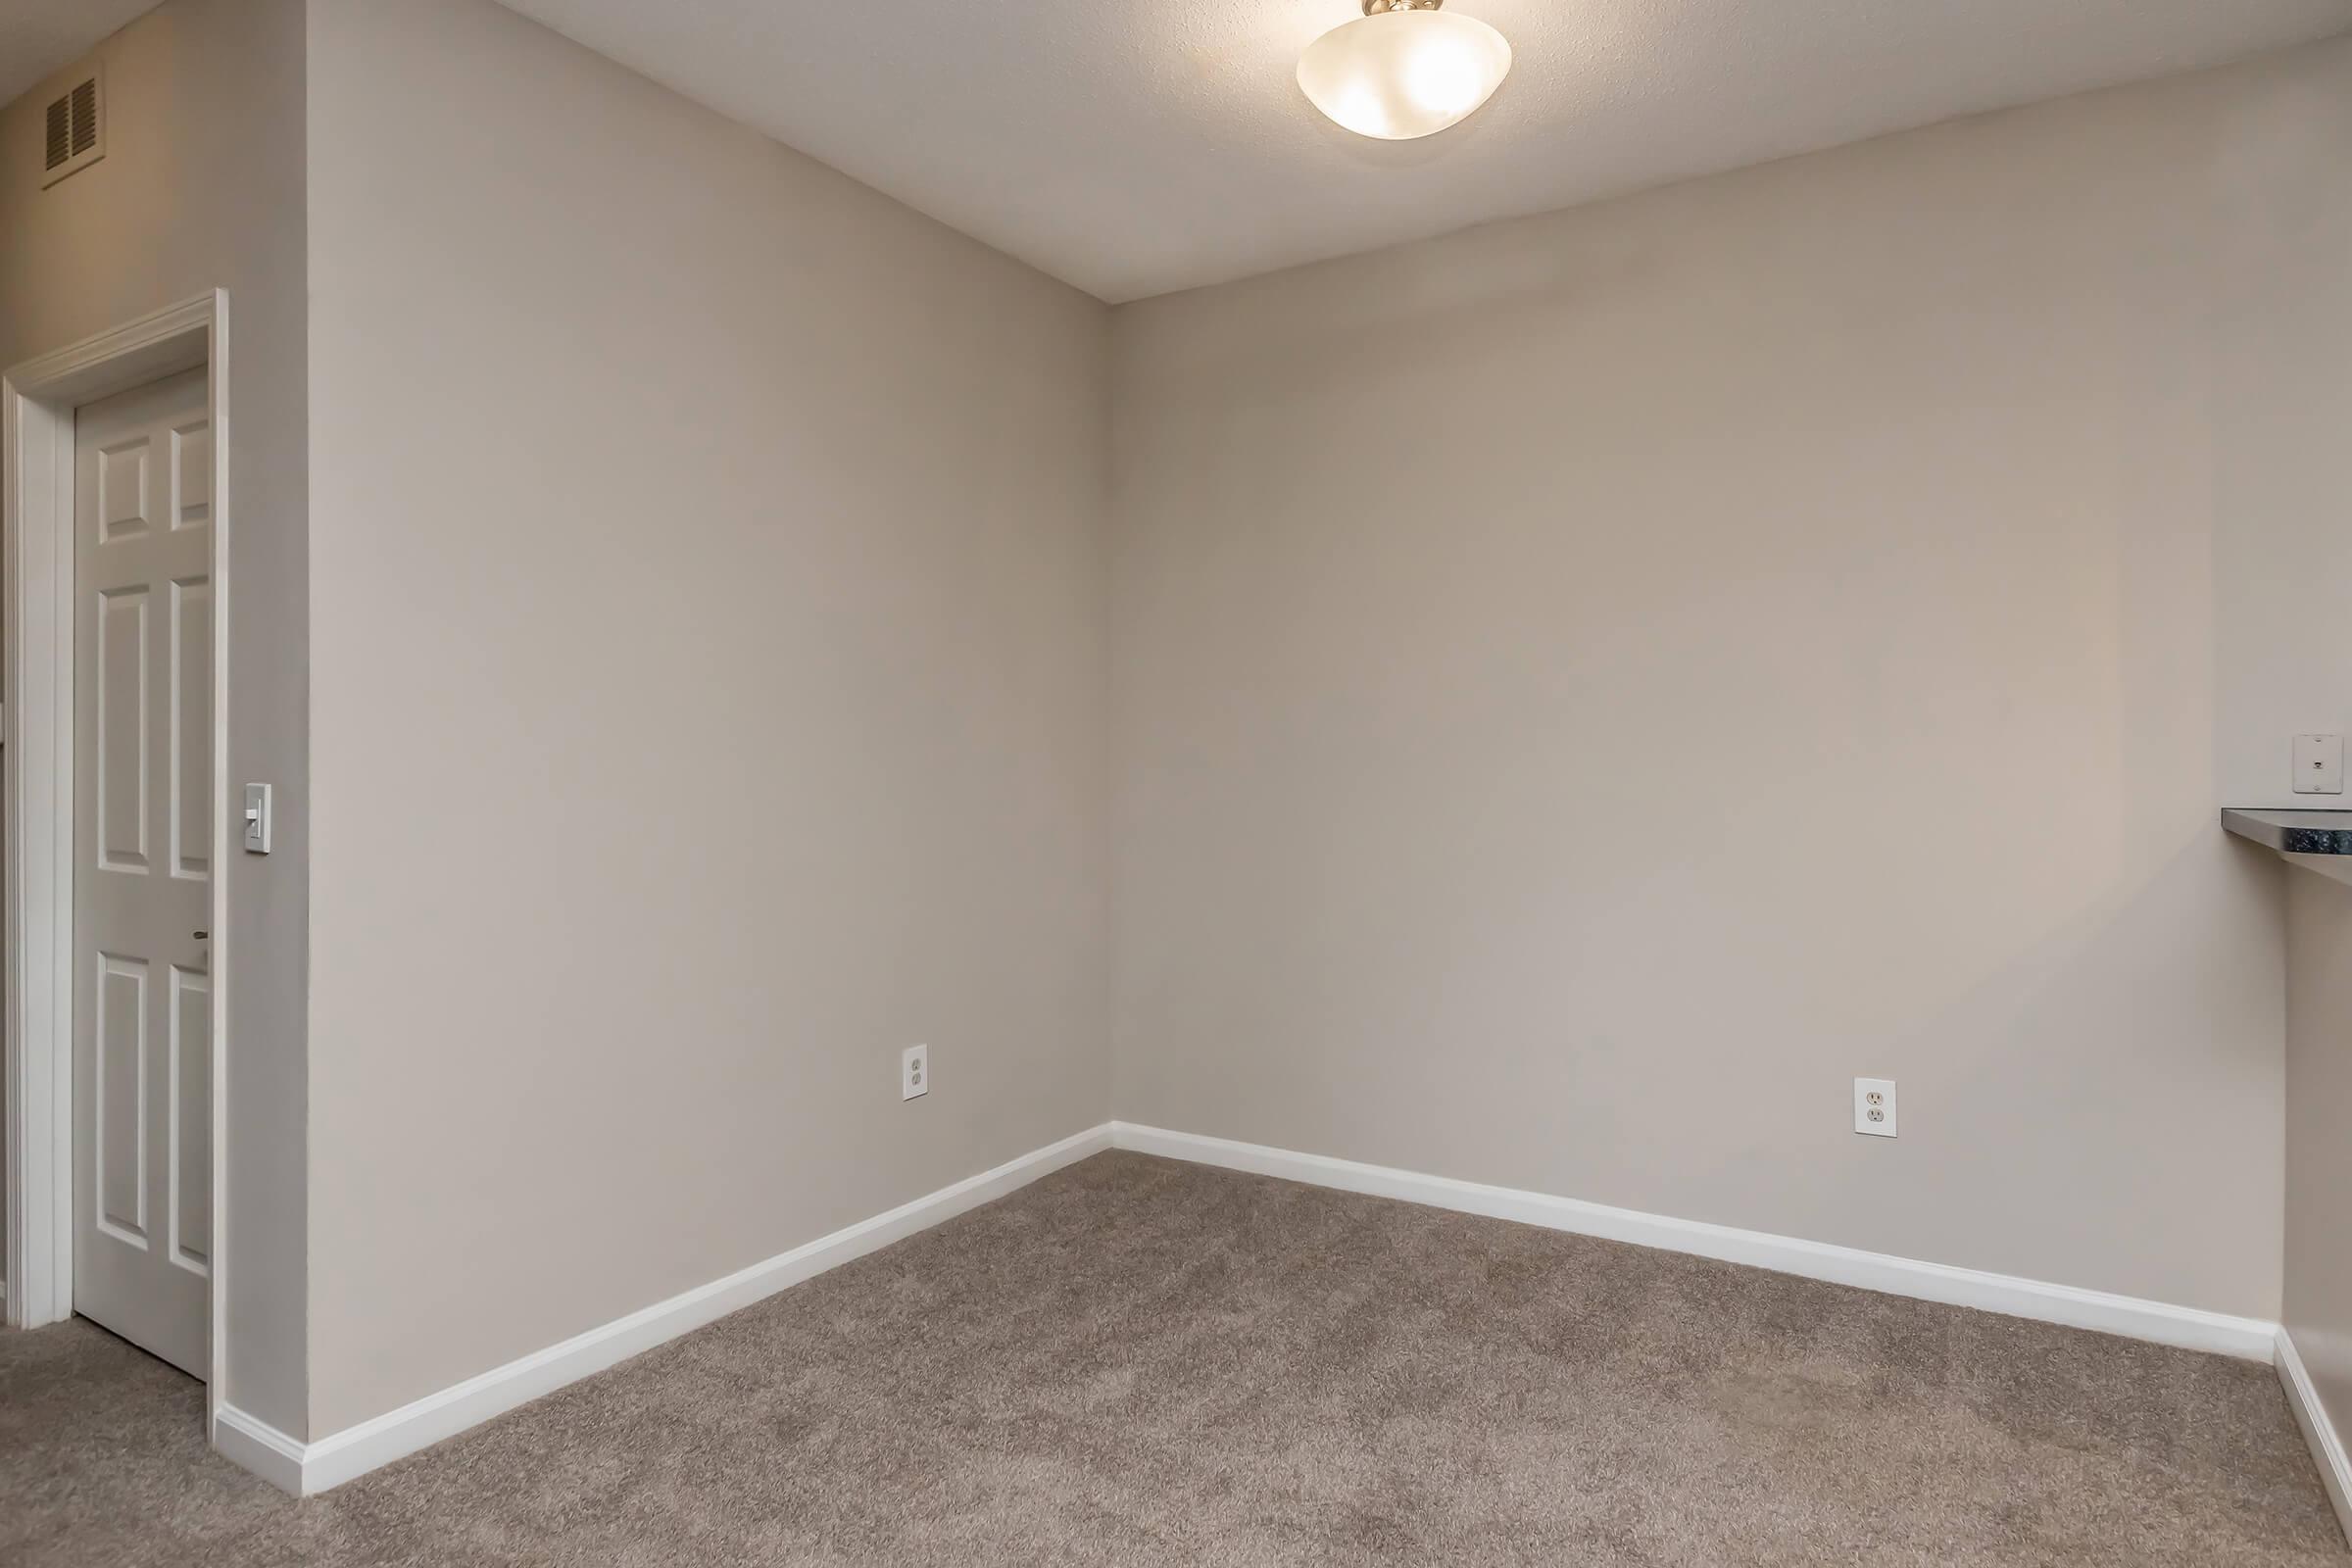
75 133
60 131
85 118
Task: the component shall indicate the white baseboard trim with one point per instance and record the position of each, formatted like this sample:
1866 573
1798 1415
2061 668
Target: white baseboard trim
2189 1327
2303 1398
260 1447
306 1468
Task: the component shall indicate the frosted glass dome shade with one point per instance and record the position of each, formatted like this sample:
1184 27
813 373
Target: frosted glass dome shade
1397 75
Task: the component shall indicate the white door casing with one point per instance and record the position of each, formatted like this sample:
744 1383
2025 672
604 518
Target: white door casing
142 887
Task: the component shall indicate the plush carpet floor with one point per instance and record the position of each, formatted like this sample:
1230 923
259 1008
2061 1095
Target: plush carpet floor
1137 1361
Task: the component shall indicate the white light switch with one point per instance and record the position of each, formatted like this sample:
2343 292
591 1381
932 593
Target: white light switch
2318 764
257 818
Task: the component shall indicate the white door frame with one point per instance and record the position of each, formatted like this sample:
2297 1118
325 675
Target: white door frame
38 400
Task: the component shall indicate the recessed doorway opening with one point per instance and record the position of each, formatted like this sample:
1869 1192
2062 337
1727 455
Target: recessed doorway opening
113 763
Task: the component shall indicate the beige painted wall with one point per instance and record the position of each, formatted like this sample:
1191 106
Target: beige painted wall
2282 407
1590 687
2318 1154
710 669
202 187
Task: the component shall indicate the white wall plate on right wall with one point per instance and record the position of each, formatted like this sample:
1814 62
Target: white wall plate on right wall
2318 764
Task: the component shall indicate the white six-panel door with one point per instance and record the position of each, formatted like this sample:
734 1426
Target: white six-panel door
142 830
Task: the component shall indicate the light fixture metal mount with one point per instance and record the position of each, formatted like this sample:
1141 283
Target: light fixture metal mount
1374 8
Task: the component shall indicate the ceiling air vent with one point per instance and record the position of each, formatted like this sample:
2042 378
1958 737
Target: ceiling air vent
75 130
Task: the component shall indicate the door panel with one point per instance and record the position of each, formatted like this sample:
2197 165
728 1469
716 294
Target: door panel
192 692
191 1057
142 902
120 1119
121 720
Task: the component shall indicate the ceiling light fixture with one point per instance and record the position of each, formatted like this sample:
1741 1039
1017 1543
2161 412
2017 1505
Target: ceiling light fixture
1404 68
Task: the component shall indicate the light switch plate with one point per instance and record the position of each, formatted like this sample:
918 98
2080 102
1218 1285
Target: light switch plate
257 818
2318 764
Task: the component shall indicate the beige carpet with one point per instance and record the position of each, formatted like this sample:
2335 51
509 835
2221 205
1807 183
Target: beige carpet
1137 1361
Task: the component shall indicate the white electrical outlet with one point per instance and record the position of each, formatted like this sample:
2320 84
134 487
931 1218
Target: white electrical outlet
914 1072
1874 1106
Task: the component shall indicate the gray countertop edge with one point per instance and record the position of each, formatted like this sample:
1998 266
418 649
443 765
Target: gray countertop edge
2292 832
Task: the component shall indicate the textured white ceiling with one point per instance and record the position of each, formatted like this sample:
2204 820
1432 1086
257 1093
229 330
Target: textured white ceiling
1133 147
37 37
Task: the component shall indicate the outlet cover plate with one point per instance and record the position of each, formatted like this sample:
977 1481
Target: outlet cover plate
914 1072
1874 1106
